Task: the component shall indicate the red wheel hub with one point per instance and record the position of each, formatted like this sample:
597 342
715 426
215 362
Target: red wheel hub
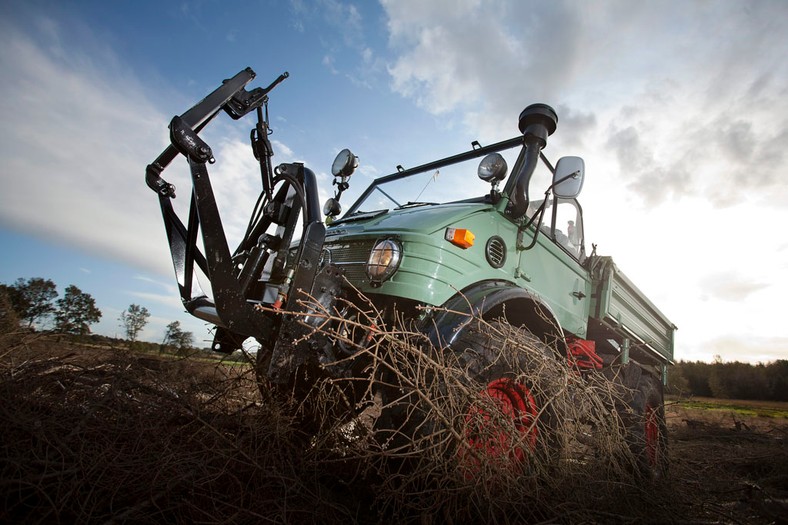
488 436
652 435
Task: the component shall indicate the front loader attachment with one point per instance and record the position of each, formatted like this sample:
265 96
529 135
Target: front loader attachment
262 270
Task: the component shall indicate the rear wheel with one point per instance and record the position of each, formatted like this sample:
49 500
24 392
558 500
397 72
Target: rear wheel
647 430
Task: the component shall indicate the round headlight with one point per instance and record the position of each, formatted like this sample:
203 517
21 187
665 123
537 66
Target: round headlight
344 164
492 168
332 208
383 260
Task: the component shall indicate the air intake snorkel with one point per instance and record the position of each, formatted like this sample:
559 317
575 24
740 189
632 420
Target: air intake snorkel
537 122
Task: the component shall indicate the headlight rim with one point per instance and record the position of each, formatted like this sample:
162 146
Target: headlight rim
383 270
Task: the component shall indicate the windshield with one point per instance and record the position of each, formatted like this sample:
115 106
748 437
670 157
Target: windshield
562 222
445 183
435 187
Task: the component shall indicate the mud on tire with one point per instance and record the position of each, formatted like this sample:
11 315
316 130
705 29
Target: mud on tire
646 427
488 407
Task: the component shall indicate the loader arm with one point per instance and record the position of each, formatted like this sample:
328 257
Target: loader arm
255 272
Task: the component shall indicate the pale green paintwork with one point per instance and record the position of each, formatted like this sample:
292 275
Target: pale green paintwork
621 304
432 269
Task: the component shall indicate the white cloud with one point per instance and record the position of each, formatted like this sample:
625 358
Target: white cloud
328 61
730 286
757 349
690 100
489 59
283 153
75 137
681 113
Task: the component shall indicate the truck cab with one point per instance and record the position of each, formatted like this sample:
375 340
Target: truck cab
407 241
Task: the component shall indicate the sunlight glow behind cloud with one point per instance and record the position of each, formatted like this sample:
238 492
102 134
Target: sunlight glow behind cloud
673 109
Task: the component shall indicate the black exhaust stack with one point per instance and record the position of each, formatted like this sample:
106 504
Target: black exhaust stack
537 122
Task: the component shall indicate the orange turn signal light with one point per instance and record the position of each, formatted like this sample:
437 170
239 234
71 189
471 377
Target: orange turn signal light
460 237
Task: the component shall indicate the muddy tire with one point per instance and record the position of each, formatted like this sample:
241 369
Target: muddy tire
647 433
508 387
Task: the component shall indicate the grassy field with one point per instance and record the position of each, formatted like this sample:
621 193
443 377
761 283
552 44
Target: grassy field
740 407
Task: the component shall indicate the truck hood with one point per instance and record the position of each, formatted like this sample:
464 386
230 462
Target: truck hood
422 219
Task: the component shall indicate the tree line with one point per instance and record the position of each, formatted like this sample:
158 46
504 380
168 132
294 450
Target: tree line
134 319
731 380
35 300
33 303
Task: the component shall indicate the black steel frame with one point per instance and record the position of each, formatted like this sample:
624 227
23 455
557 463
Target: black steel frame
235 278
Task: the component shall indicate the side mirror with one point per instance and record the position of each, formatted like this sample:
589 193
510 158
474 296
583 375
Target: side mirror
568 177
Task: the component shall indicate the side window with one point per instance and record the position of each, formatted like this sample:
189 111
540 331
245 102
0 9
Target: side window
540 181
568 226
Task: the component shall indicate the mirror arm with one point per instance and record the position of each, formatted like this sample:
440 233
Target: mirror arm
562 179
341 186
540 214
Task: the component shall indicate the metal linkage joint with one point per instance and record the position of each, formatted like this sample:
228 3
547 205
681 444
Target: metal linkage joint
156 183
187 142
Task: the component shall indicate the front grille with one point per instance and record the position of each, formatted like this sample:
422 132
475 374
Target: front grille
351 256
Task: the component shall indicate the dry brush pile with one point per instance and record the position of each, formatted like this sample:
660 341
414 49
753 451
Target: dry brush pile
106 436
427 427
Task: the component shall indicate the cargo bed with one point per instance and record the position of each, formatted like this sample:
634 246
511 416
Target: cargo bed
621 311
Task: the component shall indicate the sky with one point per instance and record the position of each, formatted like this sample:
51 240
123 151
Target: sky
679 108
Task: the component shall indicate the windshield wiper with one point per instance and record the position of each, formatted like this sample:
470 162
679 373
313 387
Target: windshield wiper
360 216
412 204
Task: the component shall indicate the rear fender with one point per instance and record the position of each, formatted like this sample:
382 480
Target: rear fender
492 300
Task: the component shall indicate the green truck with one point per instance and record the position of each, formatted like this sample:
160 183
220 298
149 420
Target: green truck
433 246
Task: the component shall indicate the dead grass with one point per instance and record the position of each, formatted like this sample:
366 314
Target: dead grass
106 436
94 436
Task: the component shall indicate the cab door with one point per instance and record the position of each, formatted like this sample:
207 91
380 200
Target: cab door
553 266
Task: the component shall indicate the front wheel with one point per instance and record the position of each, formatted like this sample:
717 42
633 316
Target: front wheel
511 418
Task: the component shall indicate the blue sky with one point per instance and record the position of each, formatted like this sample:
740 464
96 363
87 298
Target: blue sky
679 109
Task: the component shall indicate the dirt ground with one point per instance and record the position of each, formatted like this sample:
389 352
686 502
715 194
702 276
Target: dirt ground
101 435
727 467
